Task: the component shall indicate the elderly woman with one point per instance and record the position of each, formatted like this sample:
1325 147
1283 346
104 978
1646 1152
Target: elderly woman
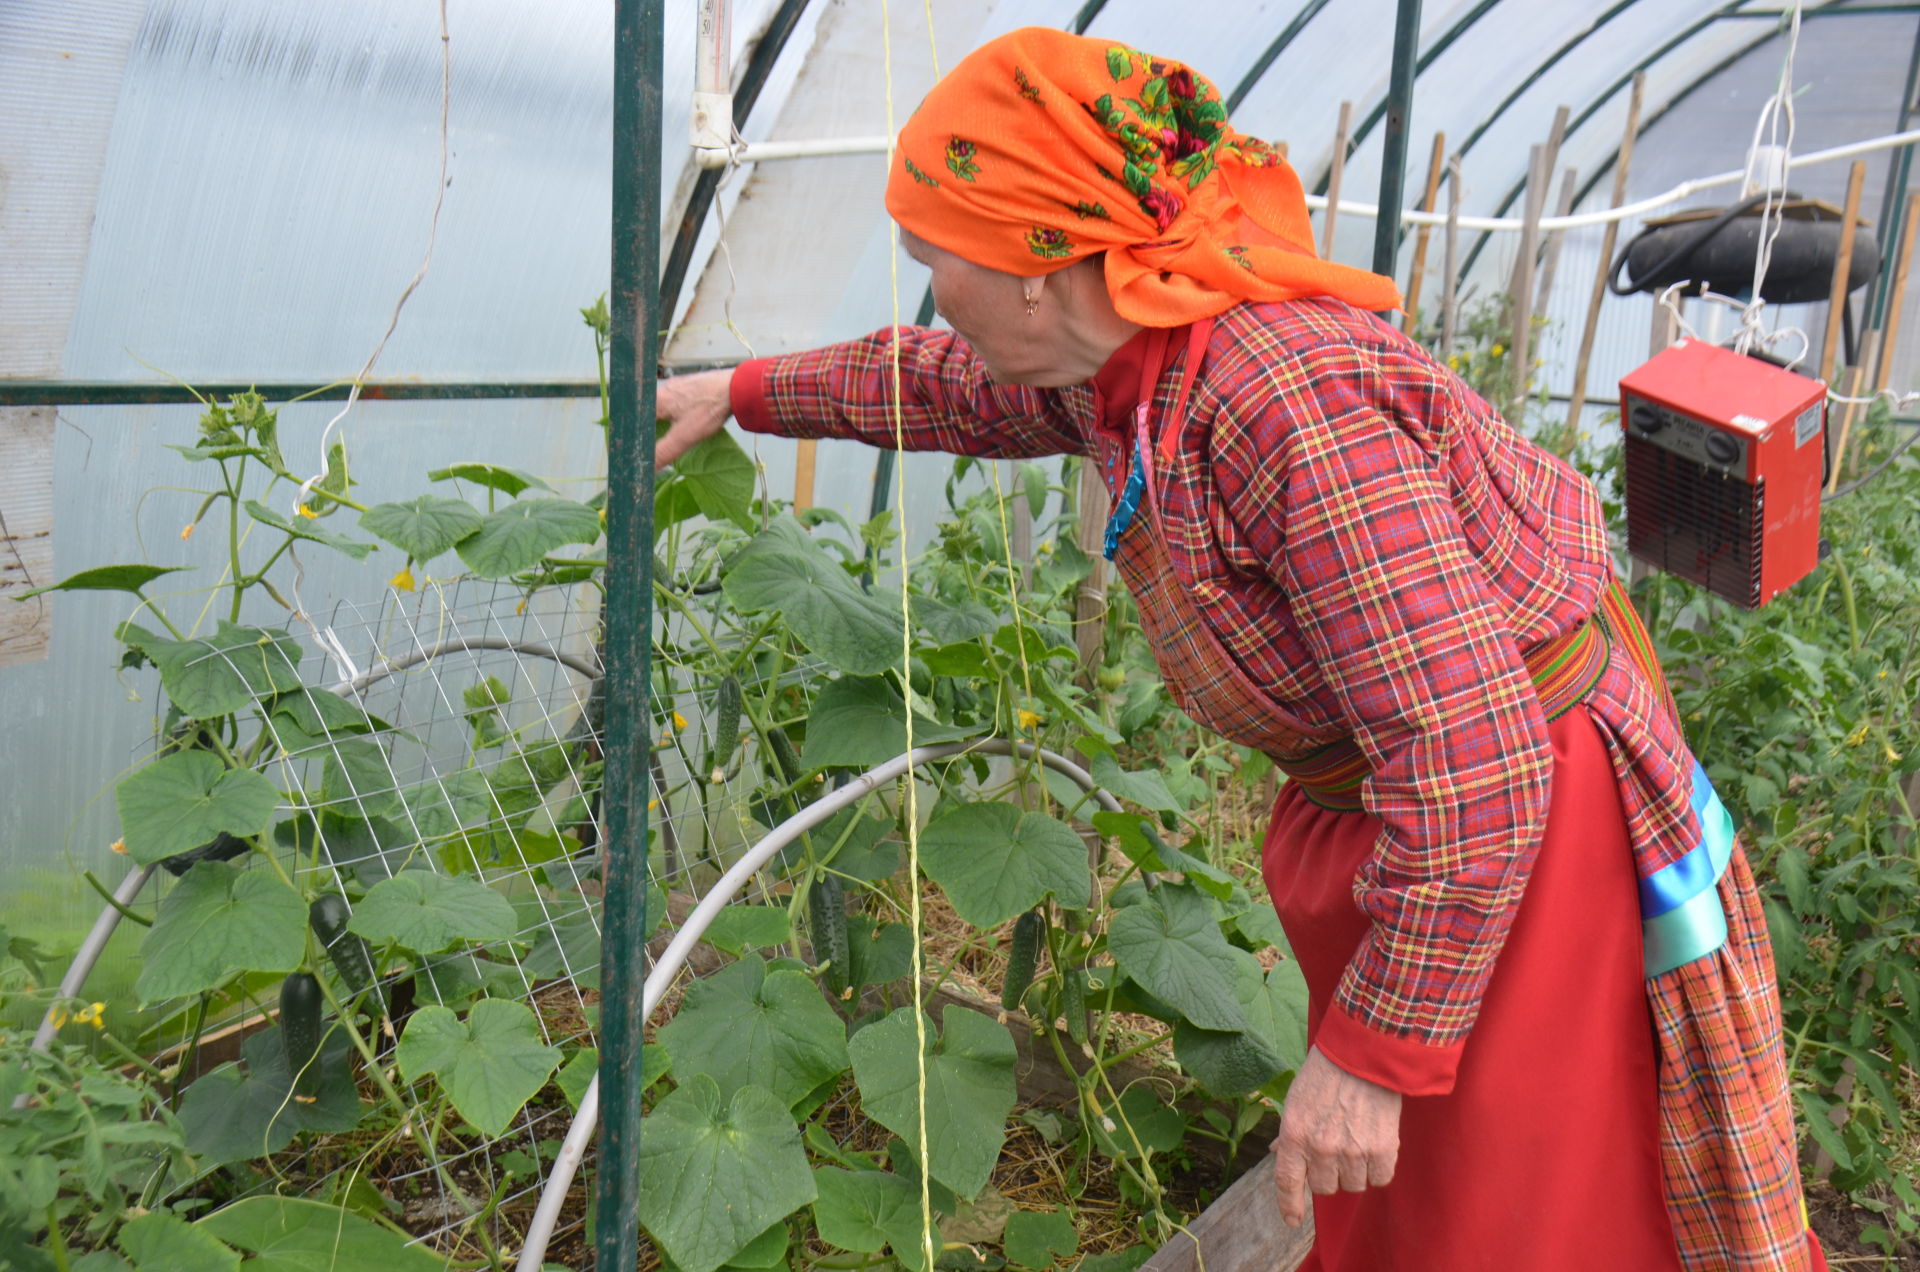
1545 1030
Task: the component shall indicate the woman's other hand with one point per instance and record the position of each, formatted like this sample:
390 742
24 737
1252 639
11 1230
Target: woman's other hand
1337 1133
695 407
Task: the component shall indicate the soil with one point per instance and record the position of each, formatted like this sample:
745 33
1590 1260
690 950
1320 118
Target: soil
1838 1223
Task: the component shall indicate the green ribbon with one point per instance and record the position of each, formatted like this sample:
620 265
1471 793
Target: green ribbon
1696 926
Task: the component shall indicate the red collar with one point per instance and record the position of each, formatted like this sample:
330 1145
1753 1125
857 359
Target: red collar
1131 373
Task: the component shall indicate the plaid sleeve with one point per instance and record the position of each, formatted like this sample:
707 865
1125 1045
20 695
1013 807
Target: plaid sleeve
947 401
1345 496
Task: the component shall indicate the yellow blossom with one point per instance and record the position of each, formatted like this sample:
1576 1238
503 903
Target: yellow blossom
1453 361
186 531
1858 736
58 1015
119 846
403 580
1893 756
1497 350
520 609
679 722
305 511
92 1014
1029 719
653 805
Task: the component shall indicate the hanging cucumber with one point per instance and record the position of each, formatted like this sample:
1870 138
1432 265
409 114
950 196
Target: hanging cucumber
1023 957
300 1000
728 703
351 955
785 756
1073 997
827 926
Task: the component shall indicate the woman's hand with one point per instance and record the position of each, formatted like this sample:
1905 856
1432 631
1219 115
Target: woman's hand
695 406
1337 1133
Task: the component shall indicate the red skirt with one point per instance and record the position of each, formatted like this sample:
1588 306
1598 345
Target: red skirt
1545 1157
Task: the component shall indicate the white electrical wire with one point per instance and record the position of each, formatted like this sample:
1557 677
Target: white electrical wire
329 643
1773 209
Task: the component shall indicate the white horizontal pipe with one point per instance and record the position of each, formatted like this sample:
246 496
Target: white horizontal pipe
766 151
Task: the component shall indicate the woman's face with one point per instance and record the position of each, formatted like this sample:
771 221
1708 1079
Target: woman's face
989 311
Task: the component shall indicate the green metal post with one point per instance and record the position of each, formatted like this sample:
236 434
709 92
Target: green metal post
1393 159
635 305
1379 109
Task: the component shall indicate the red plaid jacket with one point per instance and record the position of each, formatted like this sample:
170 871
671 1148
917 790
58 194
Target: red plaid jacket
1374 546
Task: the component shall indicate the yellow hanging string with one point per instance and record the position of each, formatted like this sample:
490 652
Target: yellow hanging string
915 919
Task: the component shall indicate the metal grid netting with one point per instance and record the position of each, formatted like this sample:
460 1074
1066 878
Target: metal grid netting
480 756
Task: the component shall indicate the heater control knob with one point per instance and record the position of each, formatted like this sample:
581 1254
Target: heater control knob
1647 419
1721 449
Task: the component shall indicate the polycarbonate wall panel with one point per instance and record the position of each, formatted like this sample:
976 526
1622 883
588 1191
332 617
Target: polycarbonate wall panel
60 72
271 174
74 723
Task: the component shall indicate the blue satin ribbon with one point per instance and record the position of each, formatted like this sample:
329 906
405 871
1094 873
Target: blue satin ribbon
1129 502
1681 915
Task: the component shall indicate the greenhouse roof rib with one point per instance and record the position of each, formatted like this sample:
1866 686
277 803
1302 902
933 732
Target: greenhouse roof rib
310 132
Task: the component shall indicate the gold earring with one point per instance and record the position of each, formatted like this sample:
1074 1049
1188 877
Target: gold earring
1033 304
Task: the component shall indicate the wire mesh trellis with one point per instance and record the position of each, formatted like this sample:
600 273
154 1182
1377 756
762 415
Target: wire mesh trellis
467 747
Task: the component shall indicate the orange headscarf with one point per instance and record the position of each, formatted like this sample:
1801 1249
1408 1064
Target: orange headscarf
1043 147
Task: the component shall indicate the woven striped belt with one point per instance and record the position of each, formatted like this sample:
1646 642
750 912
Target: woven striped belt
1564 670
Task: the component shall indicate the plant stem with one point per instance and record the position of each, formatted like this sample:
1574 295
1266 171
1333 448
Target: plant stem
278 552
1847 597
114 901
56 1238
233 541
131 1056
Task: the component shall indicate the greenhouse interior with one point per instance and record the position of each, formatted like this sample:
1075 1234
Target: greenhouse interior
457 823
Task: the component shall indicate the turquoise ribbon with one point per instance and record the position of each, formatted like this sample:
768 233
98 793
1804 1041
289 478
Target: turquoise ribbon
1122 516
1680 911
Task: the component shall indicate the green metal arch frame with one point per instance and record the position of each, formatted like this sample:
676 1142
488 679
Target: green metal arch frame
1288 35
1593 107
1833 8
706 186
1378 110
1878 296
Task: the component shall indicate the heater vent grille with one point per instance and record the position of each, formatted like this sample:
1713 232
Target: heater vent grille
1694 521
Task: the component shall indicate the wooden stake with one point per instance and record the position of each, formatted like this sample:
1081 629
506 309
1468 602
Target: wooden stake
1551 262
1555 136
1333 179
1541 162
1837 298
1896 296
1020 528
1578 396
1416 278
803 474
1450 271
1520 292
1090 599
1854 377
